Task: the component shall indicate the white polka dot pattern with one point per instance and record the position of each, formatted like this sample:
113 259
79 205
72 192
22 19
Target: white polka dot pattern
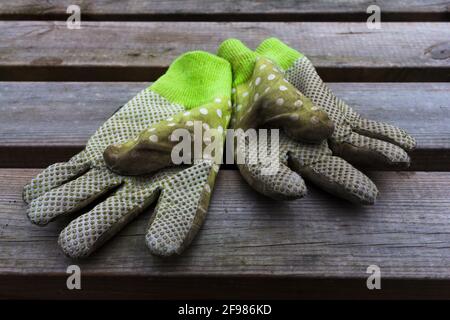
267 99
141 112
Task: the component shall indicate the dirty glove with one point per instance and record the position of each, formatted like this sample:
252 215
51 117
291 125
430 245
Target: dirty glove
358 140
197 83
257 76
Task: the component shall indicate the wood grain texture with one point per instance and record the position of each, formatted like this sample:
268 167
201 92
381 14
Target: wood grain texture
247 236
141 51
43 123
227 10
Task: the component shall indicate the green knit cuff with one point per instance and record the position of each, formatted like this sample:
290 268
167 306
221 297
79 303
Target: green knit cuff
278 52
195 78
241 58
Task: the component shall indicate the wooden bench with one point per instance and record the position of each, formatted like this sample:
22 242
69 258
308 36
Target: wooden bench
58 85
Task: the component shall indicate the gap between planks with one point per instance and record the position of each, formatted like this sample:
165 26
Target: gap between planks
141 51
219 10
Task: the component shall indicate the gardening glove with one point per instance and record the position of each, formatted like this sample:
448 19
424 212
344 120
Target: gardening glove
255 75
196 83
356 139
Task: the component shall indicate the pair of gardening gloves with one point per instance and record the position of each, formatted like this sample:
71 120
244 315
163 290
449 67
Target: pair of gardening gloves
128 164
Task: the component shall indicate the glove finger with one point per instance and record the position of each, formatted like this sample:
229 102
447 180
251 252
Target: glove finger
268 172
152 149
54 176
91 230
72 196
284 185
386 132
340 178
362 150
181 209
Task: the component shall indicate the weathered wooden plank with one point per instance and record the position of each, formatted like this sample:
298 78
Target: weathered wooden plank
227 10
43 123
406 233
140 51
